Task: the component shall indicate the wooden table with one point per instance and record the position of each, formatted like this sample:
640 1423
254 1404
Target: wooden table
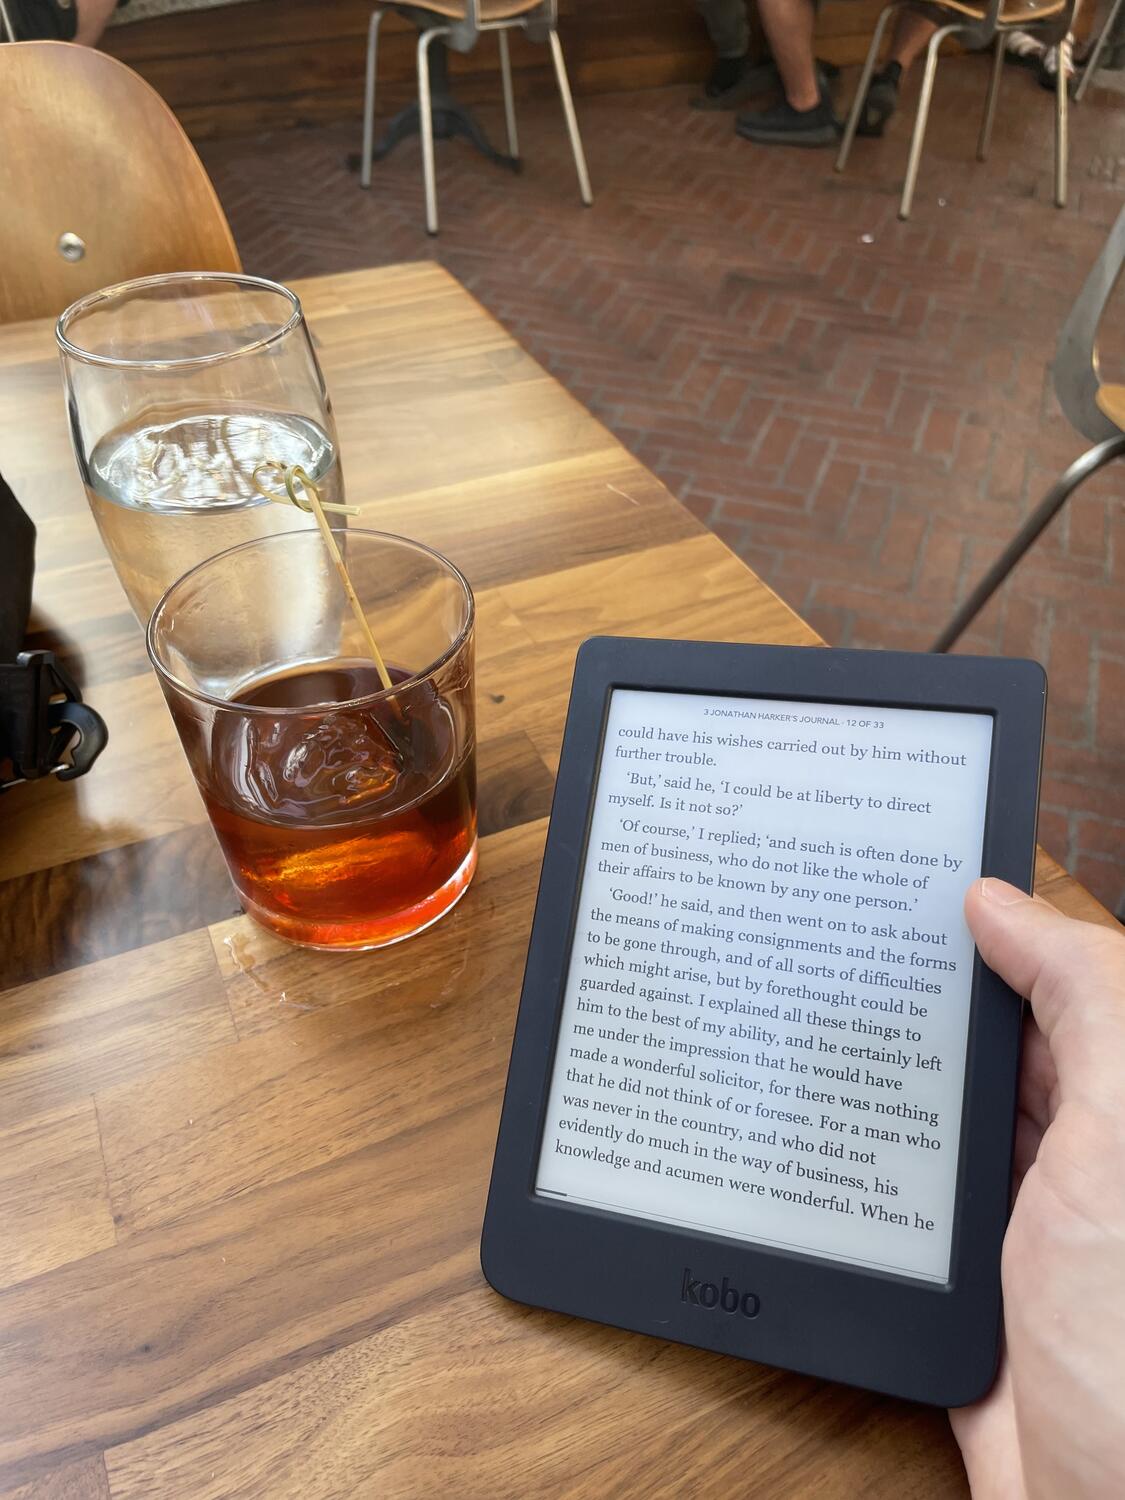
241 1186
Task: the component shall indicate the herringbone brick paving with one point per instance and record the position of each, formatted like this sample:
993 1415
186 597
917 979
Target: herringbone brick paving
860 408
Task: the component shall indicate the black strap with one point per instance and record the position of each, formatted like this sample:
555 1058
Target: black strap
45 728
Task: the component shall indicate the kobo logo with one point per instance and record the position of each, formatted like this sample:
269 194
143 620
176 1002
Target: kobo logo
726 1297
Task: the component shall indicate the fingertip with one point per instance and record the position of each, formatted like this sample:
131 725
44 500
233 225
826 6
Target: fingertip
1016 934
988 899
993 913
999 892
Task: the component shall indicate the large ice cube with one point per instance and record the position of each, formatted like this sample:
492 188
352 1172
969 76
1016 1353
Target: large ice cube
312 768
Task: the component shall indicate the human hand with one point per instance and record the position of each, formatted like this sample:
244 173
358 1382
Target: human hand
1053 1426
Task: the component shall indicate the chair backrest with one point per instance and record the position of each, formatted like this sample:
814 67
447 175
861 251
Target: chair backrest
1096 409
473 13
98 182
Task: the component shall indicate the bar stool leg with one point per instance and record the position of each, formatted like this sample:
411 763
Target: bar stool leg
1094 61
571 118
1053 501
985 140
921 117
426 121
1062 133
369 100
864 82
509 94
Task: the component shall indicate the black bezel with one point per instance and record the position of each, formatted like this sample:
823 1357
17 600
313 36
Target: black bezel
884 1331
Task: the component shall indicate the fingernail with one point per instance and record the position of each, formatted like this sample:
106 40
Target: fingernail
1001 892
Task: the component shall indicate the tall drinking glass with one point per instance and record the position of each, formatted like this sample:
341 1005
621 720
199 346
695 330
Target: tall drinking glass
178 388
346 812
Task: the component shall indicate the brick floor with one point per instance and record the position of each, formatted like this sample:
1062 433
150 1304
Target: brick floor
859 407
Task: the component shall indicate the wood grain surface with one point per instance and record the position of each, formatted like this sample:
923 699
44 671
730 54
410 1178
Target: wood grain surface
94 151
241 1185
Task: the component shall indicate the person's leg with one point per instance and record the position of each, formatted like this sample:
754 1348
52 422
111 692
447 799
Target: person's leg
734 78
727 26
912 32
911 35
788 25
93 16
805 118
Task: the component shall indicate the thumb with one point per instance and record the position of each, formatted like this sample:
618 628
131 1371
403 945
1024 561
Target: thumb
1072 972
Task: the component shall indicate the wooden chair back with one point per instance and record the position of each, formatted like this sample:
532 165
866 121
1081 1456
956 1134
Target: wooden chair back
477 11
98 182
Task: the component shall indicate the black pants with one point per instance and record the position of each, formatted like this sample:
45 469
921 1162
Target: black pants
43 20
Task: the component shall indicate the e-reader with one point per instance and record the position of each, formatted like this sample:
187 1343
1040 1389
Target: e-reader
762 1089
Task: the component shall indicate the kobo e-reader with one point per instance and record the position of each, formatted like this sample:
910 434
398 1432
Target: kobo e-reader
762 1090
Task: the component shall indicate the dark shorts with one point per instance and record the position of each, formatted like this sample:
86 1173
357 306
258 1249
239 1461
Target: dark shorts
43 20
46 20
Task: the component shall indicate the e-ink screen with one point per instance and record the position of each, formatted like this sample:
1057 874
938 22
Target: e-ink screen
764 1026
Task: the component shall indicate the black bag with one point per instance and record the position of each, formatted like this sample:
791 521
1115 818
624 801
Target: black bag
42 715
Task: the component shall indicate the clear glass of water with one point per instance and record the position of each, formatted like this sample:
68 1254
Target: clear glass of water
178 388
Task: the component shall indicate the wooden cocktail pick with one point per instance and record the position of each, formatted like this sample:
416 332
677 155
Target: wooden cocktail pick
309 500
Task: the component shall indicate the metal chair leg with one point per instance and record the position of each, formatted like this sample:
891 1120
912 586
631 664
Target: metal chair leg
921 118
1074 369
509 94
993 94
1094 61
426 121
1062 133
7 30
1053 501
864 82
571 118
369 100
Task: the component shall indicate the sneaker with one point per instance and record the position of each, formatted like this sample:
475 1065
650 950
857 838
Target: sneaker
785 126
881 101
1023 50
733 80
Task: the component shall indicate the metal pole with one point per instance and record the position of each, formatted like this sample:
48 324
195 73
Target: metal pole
921 117
1094 61
1054 500
426 121
571 118
509 94
369 100
993 94
864 83
1062 134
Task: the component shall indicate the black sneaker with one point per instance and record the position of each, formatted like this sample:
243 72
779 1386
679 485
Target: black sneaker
785 126
881 101
733 80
